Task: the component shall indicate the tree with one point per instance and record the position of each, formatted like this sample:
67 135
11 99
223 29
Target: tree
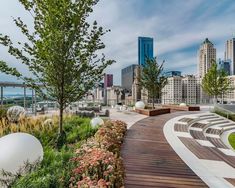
118 91
62 51
152 80
215 82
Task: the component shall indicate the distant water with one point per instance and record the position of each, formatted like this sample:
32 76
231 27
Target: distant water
15 92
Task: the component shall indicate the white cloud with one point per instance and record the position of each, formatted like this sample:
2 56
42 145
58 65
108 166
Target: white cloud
175 26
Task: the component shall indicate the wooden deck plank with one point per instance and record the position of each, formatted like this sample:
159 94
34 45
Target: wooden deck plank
217 142
201 152
231 180
150 161
181 127
197 135
199 125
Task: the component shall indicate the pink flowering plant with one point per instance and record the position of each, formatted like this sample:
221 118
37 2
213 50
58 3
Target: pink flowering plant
110 136
97 162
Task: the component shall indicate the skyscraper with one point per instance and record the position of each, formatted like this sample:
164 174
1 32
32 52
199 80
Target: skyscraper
145 49
225 65
128 76
230 54
108 80
172 92
206 54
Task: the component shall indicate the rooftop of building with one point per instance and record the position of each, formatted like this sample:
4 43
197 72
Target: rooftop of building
145 38
133 65
207 41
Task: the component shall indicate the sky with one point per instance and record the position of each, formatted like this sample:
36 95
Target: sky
177 26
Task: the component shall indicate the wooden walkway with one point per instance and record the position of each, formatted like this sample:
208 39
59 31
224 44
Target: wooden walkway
150 161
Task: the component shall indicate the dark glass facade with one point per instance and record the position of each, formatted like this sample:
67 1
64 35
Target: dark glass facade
128 76
226 66
172 73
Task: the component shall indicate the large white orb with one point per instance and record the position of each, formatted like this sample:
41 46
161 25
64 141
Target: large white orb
139 105
183 104
96 121
15 113
18 148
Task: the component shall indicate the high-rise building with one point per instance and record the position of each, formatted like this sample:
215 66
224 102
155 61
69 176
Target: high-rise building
225 65
145 49
172 73
206 54
108 80
198 91
189 89
172 92
136 89
128 76
230 54
181 89
229 97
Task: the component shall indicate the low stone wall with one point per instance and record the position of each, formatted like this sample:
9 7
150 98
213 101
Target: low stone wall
153 112
182 108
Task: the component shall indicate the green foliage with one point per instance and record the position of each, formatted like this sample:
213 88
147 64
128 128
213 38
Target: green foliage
61 51
231 140
75 127
215 83
3 113
77 133
53 172
55 169
224 114
61 140
151 78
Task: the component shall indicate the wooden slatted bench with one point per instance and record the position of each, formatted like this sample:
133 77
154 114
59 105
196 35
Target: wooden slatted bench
181 127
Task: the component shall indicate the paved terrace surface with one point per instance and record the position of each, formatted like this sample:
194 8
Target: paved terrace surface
129 118
202 142
150 161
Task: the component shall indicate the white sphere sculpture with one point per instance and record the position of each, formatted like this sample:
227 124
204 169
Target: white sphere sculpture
96 121
15 113
183 104
18 148
139 105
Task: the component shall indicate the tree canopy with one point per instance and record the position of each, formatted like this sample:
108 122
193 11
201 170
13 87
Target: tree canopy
62 51
215 83
152 79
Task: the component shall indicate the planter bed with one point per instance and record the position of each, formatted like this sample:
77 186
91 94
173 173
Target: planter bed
182 108
153 112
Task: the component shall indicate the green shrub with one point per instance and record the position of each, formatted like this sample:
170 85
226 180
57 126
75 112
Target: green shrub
231 140
78 129
53 172
55 169
224 114
3 113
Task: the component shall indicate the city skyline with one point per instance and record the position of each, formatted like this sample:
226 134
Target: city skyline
176 38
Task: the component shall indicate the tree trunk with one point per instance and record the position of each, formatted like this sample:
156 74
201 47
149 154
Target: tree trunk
61 139
117 99
153 102
61 119
222 102
215 100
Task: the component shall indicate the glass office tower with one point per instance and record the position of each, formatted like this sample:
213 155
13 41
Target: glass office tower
145 49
